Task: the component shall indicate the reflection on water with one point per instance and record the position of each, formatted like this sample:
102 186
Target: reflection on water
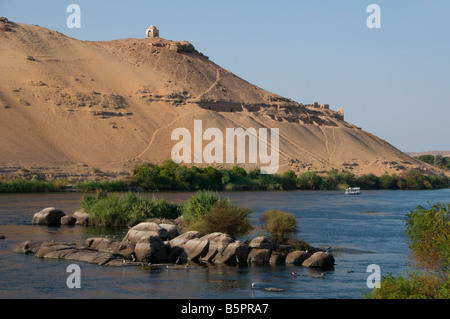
361 230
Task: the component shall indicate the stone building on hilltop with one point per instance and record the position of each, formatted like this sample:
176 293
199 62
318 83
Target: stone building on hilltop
152 32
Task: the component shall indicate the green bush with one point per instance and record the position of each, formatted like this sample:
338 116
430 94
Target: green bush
206 212
226 218
126 210
428 232
428 237
198 205
309 180
281 225
414 285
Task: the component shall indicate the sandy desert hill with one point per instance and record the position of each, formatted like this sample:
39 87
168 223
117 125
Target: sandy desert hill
69 107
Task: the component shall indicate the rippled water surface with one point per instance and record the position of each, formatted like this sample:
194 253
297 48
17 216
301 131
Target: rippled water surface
362 230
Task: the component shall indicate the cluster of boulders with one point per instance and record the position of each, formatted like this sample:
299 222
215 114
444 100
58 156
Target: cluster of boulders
150 243
52 216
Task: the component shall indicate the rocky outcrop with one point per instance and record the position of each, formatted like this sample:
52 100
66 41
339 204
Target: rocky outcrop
150 243
103 244
27 247
69 251
50 216
183 46
4 24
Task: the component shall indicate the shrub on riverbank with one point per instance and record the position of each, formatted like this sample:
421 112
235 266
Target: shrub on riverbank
127 209
428 237
415 285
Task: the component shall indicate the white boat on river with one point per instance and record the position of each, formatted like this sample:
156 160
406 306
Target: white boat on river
353 191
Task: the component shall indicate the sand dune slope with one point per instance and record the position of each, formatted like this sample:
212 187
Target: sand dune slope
70 107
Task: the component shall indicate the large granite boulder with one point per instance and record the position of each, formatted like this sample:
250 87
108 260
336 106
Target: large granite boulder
171 229
182 239
217 244
297 257
258 255
277 258
235 253
81 217
151 249
263 242
50 216
319 259
68 220
145 229
196 248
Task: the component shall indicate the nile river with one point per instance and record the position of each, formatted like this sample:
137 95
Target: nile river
361 230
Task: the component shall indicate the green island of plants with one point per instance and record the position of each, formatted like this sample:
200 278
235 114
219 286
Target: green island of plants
204 211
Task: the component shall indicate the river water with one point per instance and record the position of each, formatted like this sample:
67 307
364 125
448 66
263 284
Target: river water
361 230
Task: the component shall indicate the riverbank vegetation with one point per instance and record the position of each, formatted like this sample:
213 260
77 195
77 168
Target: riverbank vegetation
169 176
428 237
438 161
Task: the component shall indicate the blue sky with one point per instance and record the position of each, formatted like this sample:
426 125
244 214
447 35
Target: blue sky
393 81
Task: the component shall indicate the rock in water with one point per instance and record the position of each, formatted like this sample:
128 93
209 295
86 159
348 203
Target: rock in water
258 255
297 257
82 218
196 248
319 259
263 242
151 249
68 220
145 229
49 216
27 247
